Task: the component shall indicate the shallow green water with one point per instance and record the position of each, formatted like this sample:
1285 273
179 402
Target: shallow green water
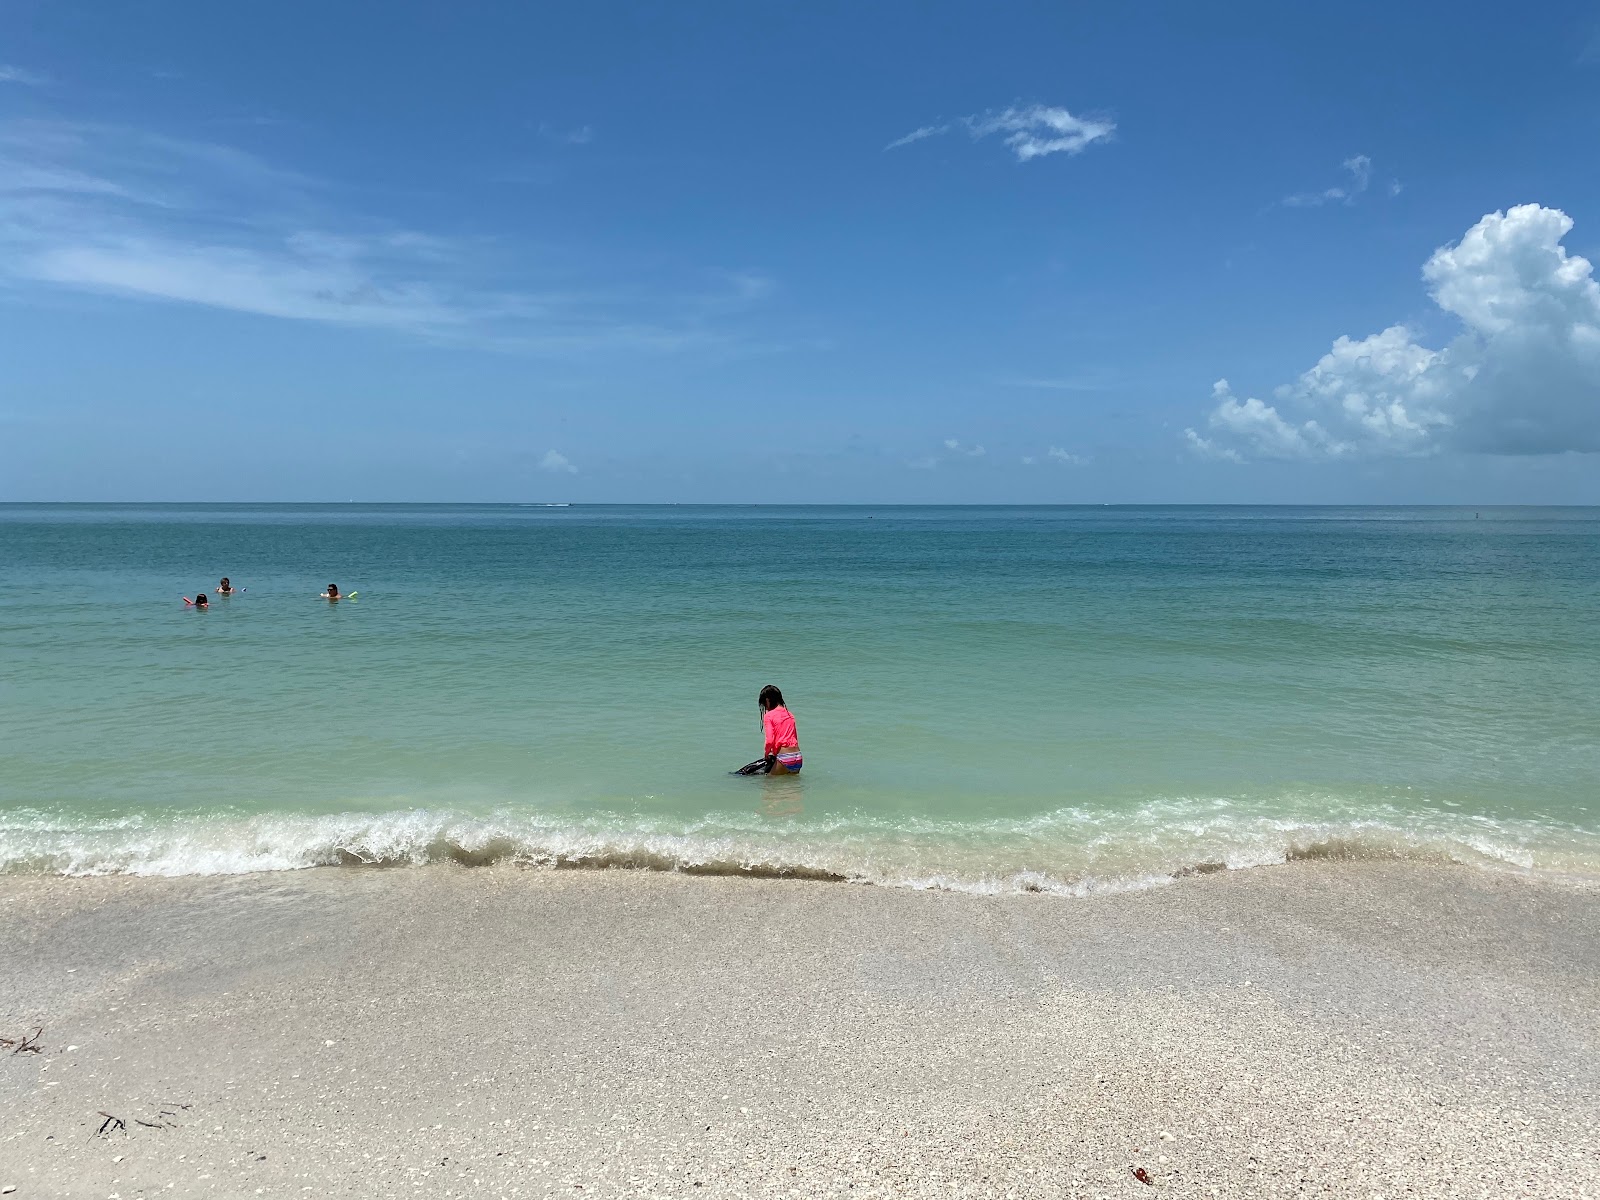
987 698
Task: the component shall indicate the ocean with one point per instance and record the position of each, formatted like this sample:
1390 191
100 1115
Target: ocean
1057 699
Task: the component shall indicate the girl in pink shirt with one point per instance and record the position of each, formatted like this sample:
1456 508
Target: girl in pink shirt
781 754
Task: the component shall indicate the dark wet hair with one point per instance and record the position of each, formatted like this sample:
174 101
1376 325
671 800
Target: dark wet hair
333 587
770 698
225 582
200 600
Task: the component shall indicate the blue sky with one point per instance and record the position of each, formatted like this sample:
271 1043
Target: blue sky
734 252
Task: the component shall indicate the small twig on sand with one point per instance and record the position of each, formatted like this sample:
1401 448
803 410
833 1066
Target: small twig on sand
147 1124
25 1045
168 1109
111 1123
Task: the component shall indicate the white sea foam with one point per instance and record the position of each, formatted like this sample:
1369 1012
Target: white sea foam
1069 851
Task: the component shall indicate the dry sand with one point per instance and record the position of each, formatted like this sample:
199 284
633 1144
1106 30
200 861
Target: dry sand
1316 1029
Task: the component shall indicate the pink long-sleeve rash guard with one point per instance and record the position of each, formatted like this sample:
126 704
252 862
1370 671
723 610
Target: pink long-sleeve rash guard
779 724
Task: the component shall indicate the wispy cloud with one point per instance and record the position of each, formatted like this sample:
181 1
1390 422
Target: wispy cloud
1031 132
955 450
1359 169
1056 455
916 135
124 212
1589 56
1098 380
10 74
582 135
557 464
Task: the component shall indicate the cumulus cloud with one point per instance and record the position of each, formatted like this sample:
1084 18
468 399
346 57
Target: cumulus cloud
1523 376
955 447
557 464
1031 132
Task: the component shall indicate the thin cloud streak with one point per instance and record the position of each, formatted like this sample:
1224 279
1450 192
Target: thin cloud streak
19 75
1030 132
122 212
580 136
1359 168
1093 382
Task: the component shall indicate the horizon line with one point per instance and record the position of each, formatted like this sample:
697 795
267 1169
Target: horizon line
786 504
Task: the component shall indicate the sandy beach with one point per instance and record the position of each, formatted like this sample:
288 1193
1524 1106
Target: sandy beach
1342 1029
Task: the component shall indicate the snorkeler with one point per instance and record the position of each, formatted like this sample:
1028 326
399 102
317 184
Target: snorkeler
781 753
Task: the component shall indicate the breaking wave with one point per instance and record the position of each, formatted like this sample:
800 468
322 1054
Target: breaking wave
1069 851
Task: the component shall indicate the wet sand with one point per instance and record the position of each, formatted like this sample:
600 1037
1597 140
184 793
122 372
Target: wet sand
1340 1029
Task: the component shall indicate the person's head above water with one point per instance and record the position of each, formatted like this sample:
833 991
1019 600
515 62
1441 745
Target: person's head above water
200 600
770 698
333 589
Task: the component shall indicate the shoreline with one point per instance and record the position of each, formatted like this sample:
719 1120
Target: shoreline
1066 851
1360 1027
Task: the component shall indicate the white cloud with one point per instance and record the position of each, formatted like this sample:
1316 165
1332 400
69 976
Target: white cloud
1523 377
954 450
1096 380
10 74
581 136
557 464
1054 454
127 213
1030 132
1207 448
1359 167
916 135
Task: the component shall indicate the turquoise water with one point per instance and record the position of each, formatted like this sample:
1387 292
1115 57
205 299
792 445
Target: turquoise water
988 698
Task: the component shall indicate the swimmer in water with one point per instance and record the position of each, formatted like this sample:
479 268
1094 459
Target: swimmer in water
782 748
332 593
227 589
200 600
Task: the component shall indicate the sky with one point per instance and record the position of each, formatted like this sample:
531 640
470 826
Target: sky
771 252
